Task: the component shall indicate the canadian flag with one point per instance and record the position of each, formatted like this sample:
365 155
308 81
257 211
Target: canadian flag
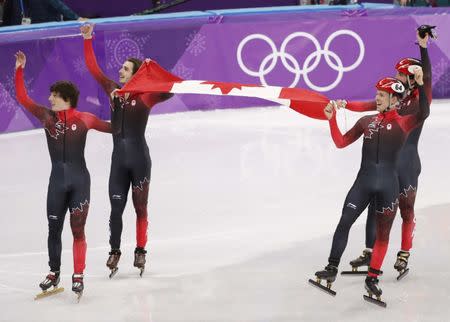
151 77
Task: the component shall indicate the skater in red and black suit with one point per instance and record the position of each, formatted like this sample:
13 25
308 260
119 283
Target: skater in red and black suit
69 185
408 166
131 163
384 135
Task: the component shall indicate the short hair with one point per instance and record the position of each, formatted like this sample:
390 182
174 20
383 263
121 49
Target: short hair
136 63
67 90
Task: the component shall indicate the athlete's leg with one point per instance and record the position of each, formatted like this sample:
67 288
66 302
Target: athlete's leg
371 226
387 204
356 201
57 204
79 208
141 172
407 198
119 184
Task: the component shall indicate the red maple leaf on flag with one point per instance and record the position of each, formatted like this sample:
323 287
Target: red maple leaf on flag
226 88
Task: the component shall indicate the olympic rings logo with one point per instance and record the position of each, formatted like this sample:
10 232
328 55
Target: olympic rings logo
310 63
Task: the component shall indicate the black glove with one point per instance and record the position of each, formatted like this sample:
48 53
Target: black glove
427 29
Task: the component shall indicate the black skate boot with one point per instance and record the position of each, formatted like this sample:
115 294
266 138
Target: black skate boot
329 274
371 285
139 259
52 279
78 285
113 260
363 260
401 265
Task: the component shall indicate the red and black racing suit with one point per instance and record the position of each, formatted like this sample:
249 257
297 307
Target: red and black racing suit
377 180
131 163
408 165
69 185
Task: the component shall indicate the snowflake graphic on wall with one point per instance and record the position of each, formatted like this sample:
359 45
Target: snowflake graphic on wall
7 103
182 71
80 66
441 78
196 43
10 86
123 47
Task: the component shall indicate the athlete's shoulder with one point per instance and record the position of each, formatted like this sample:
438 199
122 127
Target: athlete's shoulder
368 118
87 118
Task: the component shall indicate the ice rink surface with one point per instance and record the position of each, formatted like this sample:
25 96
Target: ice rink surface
243 205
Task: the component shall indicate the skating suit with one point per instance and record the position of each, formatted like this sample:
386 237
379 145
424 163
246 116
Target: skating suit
384 135
69 185
408 166
131 163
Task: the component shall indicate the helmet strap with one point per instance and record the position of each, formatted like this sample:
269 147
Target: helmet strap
390 103
391 106
410 86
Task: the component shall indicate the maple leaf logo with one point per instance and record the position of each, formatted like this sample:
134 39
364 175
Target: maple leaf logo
373 128
56 129
226 88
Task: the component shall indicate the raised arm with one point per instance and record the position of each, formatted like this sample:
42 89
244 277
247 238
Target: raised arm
39 111
426 65
91 62
411 121
341 141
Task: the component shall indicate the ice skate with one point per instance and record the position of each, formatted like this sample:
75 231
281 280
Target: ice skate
372 288
329 274
363 260
78 285
401 265
51 280
113 260
139 259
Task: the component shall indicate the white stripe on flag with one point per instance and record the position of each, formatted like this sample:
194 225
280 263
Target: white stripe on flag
271 93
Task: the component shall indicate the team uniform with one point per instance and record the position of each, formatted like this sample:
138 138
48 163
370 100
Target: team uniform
69 184
131 163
